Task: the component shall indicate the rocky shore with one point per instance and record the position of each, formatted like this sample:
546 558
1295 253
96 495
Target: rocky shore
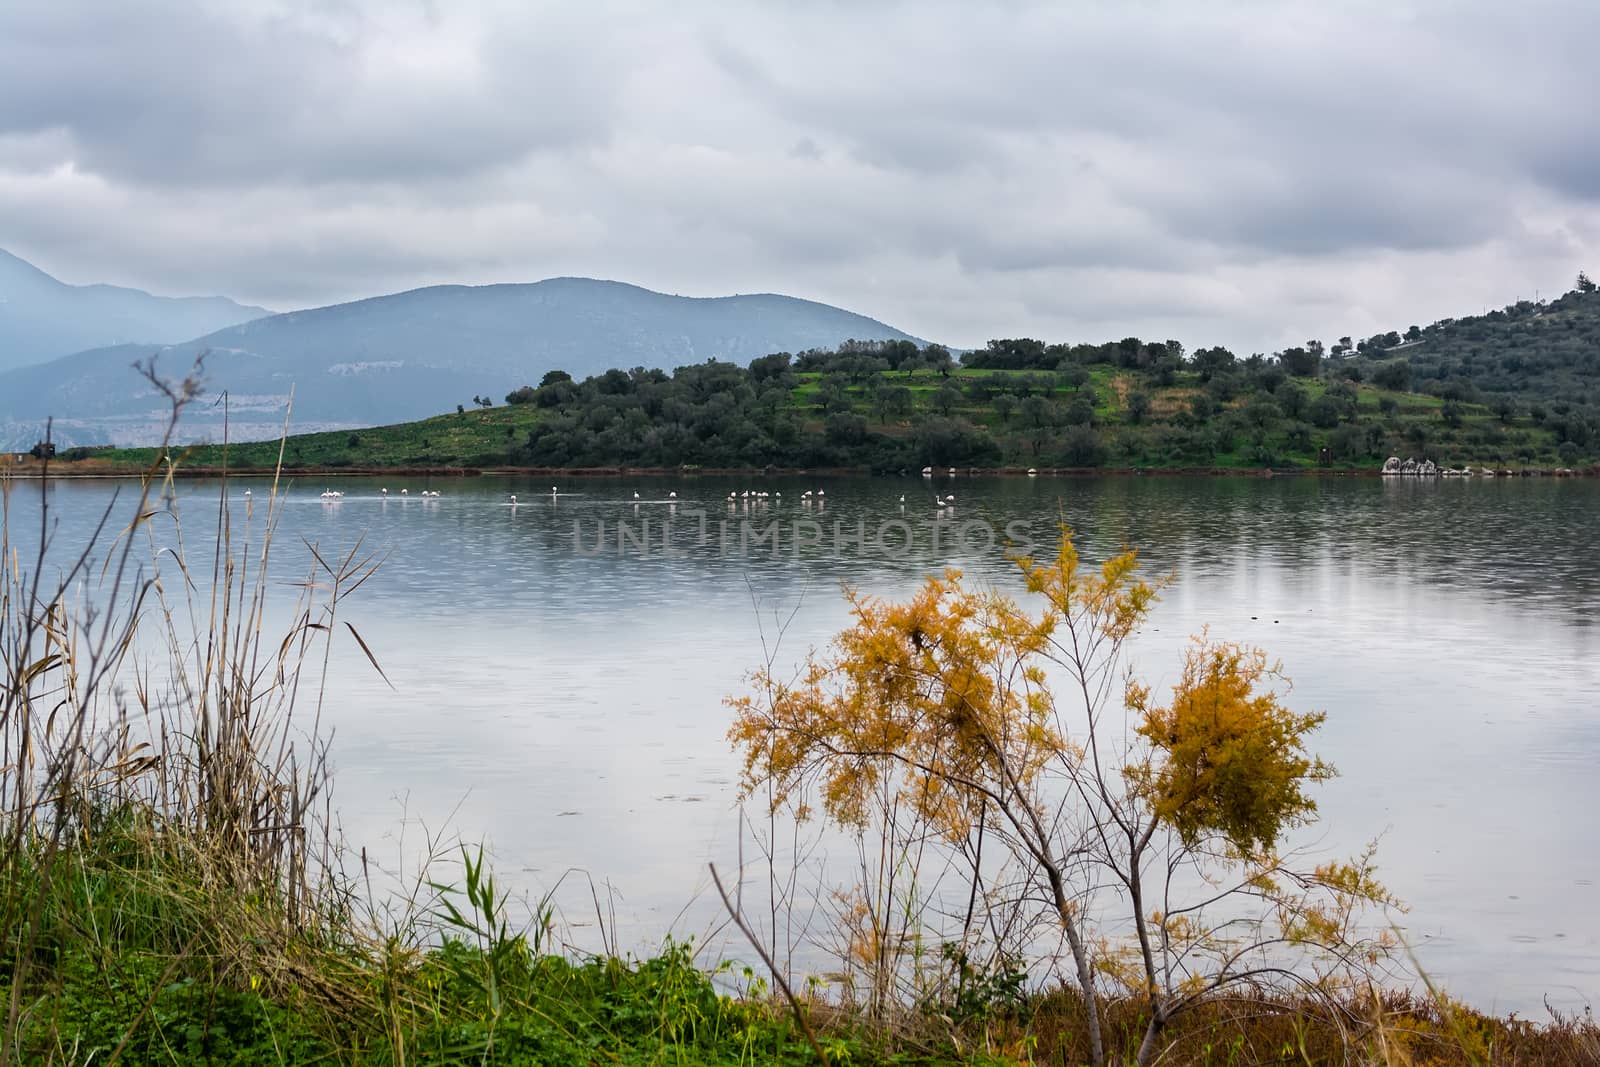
1426 468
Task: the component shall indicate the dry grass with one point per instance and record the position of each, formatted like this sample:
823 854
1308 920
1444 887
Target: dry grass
1389 1029
159 785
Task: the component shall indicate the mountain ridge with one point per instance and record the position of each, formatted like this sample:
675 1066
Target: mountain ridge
406 355
43 318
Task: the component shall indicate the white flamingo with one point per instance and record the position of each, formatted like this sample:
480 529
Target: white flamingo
672 496
513 500
636 494
405 492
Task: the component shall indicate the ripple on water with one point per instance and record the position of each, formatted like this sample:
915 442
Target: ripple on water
569 707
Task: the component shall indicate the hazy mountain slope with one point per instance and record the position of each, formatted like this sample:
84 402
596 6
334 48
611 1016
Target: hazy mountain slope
42 318
417 353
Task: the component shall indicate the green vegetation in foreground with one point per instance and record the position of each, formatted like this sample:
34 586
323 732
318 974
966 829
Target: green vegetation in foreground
141 952
1510 389
183 901
142 957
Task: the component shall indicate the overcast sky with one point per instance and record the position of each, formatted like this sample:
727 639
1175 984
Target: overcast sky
1246 173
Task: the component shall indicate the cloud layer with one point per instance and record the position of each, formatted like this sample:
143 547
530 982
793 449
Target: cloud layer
1252 173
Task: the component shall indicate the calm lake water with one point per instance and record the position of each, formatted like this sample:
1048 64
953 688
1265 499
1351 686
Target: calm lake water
559 684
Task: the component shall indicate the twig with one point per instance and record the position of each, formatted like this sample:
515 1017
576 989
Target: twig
782 983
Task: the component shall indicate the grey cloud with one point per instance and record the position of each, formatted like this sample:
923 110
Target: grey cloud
1248 169
1381 98
805 148
1019 253
1297 210
170 94
1571 167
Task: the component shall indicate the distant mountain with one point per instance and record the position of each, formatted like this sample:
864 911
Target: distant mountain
413 354
42 318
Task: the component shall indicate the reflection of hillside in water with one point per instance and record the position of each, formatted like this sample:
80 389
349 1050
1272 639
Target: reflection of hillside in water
1532 541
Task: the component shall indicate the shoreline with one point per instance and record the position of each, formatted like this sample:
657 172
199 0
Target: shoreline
36 471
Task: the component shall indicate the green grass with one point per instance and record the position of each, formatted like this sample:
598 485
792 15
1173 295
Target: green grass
467 439
142 961
142 956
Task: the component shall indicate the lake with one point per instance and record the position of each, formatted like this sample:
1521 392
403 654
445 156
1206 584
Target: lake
559 666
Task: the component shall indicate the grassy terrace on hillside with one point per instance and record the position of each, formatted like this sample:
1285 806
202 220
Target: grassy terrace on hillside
473 439
854 413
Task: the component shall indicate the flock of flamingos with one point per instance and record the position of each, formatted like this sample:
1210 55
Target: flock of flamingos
807 498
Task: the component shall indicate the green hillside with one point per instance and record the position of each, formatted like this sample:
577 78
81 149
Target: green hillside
892 405
1539 359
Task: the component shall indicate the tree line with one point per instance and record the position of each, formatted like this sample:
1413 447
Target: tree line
892 405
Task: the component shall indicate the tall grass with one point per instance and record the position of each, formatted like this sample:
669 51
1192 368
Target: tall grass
159 787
